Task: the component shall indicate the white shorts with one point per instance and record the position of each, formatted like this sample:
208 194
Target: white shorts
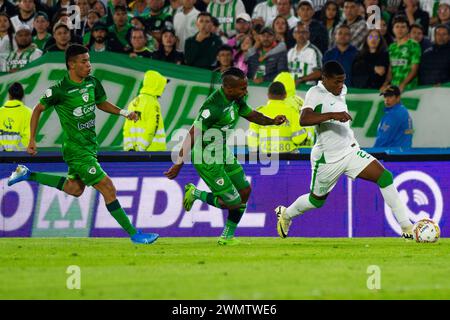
325 175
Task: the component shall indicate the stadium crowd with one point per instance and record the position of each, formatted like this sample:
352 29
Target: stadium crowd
408 45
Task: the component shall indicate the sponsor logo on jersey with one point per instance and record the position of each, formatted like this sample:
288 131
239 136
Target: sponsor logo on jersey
86 125
81 111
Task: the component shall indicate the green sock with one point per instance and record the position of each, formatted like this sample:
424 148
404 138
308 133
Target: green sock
48 180
119 214
207 197
230 228
234 216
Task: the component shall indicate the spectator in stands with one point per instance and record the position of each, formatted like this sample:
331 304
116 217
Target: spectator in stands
241 55
201 49
280 139
435 64
330 18
173 7
264 12
63 16
25 14
139 8
102 41
158 20
282 32
404 57
138 41
168 49
14 121
356 23
224 58
443 17
284 9
372 63
416 33
395 128
147 133
7 41
384 32
7 7
92 18
84 10
305 59
243 28
226 12
61 37
415 14
104 13
41 24
26 50
318 33
120 28
343 52
268 60
184 22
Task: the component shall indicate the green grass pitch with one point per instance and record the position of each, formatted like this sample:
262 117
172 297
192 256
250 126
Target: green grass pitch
197 268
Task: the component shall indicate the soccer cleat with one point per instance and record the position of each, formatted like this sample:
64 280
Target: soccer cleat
223 241
22 173
283 223
189 198
144 238
407 233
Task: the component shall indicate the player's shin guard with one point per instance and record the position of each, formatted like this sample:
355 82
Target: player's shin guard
121 217
234 216
392 198
48 180
302 204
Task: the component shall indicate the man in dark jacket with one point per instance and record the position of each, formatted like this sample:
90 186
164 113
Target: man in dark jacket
435 65
266 63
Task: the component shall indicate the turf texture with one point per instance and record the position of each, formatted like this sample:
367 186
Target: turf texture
197 268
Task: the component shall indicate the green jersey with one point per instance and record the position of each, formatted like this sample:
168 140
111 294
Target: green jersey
219 115
402 58
75 105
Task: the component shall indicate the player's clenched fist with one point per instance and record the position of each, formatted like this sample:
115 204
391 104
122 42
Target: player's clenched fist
133 116
279 119
341 116
32 148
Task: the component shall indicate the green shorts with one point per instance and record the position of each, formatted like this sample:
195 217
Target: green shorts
224 180
88 171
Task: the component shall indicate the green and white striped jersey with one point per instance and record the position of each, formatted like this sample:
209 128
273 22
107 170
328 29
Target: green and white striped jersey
303 62
226 12
18 59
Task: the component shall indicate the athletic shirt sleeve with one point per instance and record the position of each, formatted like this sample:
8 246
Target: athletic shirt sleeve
205 119
50 98
100 94
311 99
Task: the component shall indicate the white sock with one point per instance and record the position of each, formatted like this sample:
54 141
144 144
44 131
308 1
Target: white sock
392 198
299 206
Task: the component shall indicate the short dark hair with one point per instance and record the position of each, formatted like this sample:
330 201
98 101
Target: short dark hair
204 14
400 18
441 26
231 73
120 8
416 25
332 68
225 47
277 89
15 90
74 50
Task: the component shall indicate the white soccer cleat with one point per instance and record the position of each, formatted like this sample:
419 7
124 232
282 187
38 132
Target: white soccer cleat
407 233
284 222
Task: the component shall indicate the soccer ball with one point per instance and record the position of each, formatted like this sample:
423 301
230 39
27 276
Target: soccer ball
426 230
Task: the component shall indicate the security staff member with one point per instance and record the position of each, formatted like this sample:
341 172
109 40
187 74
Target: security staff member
395 128
146 134
277 139
14 121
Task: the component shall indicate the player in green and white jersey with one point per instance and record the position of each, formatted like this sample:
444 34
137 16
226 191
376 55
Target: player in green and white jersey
75 99
336 152
212 159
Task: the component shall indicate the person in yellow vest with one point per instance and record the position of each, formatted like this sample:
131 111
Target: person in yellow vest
147 133
284 138
14 121
295 102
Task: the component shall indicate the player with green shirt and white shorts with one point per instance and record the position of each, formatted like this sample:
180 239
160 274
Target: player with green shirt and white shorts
212 159
75 99
337 152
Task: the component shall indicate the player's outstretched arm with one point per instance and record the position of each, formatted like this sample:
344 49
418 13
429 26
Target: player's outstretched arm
311 118
188 143
259 118
35 116
110 108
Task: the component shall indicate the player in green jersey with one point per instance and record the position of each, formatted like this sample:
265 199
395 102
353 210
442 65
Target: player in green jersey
75 99
212 159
